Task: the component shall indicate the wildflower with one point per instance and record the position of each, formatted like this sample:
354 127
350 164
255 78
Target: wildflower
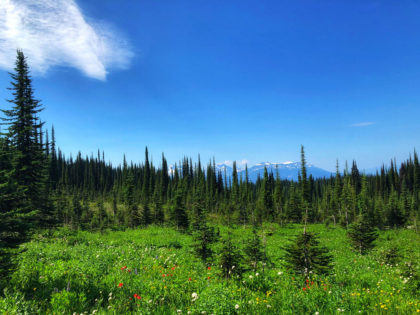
173 268
236 306
250 277
189 279
179 311
280 273
316 313
257 274
110 294
150 301
304 289
209 268
268 305
138 297
123 268
94 311
109 307
194 296
120 285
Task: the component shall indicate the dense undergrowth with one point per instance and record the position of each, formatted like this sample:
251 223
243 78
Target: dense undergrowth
153 270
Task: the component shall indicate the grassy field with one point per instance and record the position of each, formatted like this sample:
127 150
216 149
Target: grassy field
153 271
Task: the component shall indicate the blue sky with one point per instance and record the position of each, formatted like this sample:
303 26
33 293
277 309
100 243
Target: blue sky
237 80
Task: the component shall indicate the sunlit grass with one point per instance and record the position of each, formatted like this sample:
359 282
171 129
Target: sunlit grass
153 270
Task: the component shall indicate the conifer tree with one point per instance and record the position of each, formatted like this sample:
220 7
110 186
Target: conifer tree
304 185
362 234
395 215
254 250
132 208
305 256
24 136
230 259
23 191
159 216
179 214
204 236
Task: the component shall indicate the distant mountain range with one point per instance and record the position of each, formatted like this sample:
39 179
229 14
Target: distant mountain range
287 170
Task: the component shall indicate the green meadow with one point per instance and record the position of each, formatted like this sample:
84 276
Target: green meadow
153 271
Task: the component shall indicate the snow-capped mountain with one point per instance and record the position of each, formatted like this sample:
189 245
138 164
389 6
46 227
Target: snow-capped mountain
287 170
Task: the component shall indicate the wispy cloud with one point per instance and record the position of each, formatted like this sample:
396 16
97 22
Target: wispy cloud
362 124
55 33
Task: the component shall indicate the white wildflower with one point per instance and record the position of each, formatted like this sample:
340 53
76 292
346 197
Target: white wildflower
236 306
280 273
179 311
250 277
268 305
194 296
257 274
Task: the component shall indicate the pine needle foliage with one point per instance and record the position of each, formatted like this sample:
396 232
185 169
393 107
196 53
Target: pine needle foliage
254 250
362 234
306 256
230 259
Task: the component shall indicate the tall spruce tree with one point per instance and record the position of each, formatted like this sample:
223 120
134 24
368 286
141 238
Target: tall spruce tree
24 134
304 186
305 256
362 234
23 194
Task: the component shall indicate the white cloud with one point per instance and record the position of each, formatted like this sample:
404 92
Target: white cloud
363 124
55 33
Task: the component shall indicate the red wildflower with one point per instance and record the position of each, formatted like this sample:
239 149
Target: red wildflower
138 297
128 270
208 268
304 289
173 268
123 268
307 280
163 275
189 279
120 285
208 278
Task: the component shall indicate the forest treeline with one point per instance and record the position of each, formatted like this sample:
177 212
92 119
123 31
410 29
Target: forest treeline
41 187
